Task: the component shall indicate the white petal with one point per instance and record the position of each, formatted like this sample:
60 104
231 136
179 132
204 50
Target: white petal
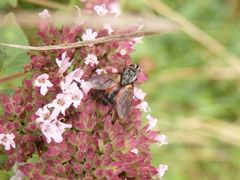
139 94
13 144
37 83
43 90
162 169
49 139
44 14
2 136
152 122
64 55
58 138
135 151
109 28
7 147
11 136
162 139
49 84
59 62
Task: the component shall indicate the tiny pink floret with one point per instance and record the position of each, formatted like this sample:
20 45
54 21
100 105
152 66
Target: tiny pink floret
8 141
43 82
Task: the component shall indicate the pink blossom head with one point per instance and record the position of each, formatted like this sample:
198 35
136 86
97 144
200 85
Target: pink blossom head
58 116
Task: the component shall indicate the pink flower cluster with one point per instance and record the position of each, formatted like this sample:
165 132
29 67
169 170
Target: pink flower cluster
55 116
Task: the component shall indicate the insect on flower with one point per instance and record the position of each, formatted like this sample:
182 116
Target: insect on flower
117 88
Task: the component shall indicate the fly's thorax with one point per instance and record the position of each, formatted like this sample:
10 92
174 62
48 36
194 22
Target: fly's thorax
129 75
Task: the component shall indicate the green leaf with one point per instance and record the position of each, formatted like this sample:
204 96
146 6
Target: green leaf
10 32
6 3
3 4
3 159
33 159
73 3
12 60
13 3
3 175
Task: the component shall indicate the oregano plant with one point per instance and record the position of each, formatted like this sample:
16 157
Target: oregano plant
60 119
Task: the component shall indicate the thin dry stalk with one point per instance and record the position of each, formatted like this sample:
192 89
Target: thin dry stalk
11 77
106 39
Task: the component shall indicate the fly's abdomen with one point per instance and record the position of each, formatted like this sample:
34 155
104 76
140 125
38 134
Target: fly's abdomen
109 98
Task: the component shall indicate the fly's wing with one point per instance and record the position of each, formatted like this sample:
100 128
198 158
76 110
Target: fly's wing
124 101
105 81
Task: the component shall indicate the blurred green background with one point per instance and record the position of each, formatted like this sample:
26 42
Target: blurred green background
193 87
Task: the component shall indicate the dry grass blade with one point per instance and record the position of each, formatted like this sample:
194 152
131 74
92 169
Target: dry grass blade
193 73
71 17
203 130
222 131
150 26
196 33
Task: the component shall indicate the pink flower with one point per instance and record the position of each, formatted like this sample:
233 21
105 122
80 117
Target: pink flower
115 8
91 60
62 126
64 63
77 98
65 84
162 169
144 106
76 94
109 28
152 122
135 151
101 10
7 140
123 52
101 71
45 19
43 82
86 86
74 125
76 74
161 139
53 130
89 35
138 40
43 114
139 94
60 104
44 15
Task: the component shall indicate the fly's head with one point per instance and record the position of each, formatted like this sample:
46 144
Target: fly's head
129 74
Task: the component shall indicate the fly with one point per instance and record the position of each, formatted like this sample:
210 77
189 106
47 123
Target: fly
117 88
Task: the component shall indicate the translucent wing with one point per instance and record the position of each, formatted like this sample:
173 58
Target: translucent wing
105 81
124 100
